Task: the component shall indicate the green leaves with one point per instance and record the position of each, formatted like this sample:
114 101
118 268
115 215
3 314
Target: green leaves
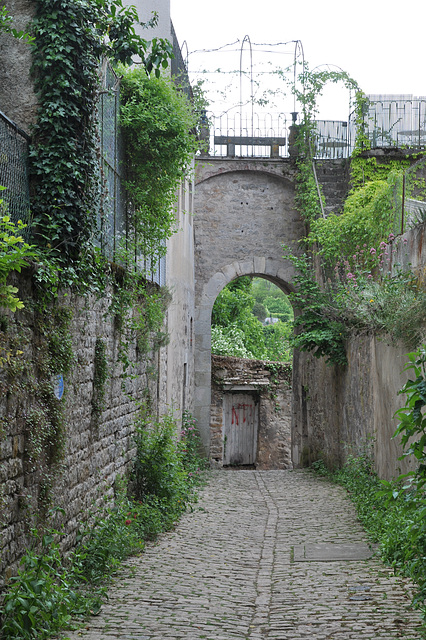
156 122
6 22
317 326
14 253
412 425
71 37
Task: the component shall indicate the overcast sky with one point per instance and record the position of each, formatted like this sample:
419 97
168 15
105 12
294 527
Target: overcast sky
380 44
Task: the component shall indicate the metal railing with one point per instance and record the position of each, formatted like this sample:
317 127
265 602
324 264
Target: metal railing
332 139
398 121
249 135
14 170
409 198
113 227
267 136
178 68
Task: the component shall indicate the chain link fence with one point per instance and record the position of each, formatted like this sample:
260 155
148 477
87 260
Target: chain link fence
14 170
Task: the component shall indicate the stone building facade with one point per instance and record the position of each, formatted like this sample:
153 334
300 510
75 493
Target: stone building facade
93 447
251 412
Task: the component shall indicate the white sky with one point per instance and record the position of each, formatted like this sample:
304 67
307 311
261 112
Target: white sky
379 43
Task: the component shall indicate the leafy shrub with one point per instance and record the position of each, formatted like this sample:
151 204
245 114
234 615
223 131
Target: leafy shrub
41 598
48 591
14 252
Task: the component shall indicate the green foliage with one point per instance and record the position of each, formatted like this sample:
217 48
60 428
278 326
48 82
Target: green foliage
278 341
156 121
308 196
48 591
41 598
71 37
234 303
412 425
138 308
190 448
236 328
317 326
229 341
392 304
367 219
14 253
279 308
161 463
260 311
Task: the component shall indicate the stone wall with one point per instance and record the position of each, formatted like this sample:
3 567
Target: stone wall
98 448
17 98
244 214
269 384
349 410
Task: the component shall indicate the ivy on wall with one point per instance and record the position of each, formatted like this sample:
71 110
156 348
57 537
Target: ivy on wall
70 38
355 292
157 122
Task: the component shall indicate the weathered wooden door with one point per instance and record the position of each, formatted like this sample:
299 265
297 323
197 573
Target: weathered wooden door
240 429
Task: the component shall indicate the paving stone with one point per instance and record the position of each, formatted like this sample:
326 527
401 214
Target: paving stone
227 571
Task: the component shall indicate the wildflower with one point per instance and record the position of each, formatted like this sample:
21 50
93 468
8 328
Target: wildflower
369 277
373 251
350 275
372 300
128 522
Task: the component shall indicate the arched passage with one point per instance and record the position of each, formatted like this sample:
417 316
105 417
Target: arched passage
278 272
244 214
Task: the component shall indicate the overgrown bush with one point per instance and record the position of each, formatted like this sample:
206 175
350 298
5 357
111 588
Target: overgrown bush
49 591
164 466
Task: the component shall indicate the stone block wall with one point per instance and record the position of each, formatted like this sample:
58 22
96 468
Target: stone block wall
98 447
339 411
269 383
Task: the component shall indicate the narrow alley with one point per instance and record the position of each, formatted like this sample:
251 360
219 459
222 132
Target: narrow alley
258 559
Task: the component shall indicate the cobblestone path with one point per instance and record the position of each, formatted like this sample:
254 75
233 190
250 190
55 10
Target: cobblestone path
227 571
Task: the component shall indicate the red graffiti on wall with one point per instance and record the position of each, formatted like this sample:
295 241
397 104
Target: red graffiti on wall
247 410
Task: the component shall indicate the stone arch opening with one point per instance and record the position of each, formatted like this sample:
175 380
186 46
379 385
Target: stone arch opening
279 272
244 214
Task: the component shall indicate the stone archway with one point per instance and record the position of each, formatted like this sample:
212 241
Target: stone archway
244 214
279 272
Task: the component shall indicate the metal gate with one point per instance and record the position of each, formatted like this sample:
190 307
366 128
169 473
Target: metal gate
240 429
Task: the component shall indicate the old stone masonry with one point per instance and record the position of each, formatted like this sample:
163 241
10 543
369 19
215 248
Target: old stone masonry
258 559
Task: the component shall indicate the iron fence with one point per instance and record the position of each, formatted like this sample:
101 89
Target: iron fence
267 135
113 228
14 170
395 121
249 135
409 197
332 139
112 223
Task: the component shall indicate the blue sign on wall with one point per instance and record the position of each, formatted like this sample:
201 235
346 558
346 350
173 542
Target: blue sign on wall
58 386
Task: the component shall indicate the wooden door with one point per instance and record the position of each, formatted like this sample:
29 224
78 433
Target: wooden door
240 429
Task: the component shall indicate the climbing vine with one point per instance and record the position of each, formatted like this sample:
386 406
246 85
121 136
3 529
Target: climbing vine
70 38
355 292
158 123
